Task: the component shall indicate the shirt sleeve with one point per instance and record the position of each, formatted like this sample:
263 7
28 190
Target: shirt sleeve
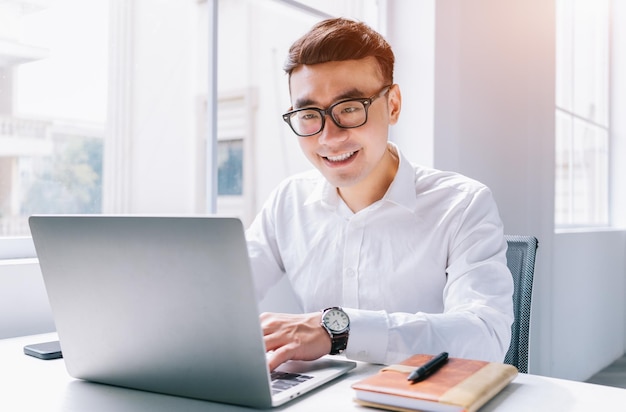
478 306
265 261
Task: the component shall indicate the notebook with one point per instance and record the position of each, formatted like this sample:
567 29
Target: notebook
163 304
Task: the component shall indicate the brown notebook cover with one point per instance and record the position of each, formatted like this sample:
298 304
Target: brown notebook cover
459 385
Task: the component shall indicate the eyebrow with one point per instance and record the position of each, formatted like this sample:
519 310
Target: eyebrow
348 94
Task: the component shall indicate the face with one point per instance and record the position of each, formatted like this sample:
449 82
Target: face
347 157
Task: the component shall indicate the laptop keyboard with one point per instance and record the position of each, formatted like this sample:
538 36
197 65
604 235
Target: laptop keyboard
285 380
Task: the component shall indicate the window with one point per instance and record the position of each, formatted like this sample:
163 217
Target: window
52 110
103 102
235 147
583 132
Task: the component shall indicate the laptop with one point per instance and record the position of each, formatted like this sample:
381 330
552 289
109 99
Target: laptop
164 304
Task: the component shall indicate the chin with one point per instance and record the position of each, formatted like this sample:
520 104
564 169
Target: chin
342 181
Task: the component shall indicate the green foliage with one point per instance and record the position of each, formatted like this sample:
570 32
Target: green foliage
69 182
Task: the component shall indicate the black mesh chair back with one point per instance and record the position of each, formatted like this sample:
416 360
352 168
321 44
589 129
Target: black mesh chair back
521 262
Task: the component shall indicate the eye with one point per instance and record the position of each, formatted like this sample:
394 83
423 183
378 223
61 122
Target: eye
308 115
350 107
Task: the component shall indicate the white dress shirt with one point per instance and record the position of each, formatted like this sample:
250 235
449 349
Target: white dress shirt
423 270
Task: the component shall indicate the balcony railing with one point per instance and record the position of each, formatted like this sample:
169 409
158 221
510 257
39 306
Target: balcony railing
16 127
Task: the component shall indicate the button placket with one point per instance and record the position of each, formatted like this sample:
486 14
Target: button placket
352 251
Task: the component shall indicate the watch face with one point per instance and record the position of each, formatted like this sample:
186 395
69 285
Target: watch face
336 320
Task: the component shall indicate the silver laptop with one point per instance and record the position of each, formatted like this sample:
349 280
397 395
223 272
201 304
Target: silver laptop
164 304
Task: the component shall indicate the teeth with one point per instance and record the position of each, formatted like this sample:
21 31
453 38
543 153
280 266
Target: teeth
340 157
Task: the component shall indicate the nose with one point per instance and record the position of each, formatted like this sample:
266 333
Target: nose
331 133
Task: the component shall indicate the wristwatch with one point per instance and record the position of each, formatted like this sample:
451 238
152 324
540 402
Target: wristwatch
337 324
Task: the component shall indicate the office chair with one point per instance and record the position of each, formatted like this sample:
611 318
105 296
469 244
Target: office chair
520 258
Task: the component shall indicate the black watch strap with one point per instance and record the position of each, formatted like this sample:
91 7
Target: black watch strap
339 343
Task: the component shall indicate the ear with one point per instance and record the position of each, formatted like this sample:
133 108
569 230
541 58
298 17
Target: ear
394 104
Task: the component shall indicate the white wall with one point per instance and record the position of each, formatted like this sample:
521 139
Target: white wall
24 307
589 308
494 121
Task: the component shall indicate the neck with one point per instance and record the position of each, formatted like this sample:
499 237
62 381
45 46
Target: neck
361 195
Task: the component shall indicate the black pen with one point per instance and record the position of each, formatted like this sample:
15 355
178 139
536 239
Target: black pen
428 368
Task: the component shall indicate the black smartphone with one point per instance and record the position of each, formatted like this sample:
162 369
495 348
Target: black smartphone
44 350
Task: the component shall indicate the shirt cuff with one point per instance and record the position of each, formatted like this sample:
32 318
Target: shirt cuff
368 335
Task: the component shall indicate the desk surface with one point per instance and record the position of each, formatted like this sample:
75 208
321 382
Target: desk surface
30 384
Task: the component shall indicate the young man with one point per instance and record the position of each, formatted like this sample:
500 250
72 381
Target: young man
386 258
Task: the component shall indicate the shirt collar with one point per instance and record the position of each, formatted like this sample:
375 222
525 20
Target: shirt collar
323 193
402 188
400 192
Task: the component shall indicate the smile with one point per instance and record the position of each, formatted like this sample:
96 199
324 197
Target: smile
341 157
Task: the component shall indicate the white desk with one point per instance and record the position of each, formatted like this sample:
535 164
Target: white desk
30 384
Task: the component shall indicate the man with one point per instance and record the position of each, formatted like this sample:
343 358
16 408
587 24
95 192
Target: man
407 258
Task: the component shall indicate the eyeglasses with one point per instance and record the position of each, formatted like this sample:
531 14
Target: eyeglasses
347 114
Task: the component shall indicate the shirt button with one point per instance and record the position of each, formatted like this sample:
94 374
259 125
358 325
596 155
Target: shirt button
350 272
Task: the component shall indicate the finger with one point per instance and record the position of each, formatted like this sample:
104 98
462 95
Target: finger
270 322
280 356
273 341
263 316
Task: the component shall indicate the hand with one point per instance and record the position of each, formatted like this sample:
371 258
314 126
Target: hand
297 337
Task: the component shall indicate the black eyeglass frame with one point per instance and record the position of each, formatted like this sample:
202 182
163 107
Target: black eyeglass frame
367 102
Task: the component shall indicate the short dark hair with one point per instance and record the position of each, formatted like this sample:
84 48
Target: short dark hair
340 39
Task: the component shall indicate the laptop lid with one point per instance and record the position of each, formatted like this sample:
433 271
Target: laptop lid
163 304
